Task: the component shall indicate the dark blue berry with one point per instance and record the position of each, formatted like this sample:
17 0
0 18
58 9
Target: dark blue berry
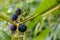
18 11
22 28
14 17
12 27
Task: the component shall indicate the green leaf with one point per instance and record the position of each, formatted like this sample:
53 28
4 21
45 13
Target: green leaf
42 35
7 37
58 1
45 5
5 17
0 19
1 35
33 22
1 38
54 13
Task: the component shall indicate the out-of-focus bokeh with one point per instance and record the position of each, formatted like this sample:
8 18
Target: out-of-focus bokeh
43 25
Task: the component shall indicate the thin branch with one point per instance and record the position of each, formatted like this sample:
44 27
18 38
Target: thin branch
30 17
5 17
25 35
49 11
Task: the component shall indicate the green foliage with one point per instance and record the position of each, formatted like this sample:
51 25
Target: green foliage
6 36
42 18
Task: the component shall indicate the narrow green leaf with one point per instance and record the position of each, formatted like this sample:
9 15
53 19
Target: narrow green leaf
42 35
56 12
55 15
46 4
33 22
7 37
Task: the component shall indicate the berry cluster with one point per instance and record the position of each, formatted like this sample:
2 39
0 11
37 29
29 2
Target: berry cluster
21 28
17 13
14 17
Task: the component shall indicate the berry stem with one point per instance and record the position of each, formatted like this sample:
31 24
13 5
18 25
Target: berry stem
24 37
12 37
17 35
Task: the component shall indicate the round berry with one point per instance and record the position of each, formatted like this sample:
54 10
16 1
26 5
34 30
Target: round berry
14 17
12 27
18 11
22 28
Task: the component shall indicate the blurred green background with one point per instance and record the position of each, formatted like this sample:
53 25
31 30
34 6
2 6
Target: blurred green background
43 25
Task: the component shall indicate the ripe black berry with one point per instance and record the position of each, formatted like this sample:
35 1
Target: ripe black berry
18 11
14 17
12 27
22 28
